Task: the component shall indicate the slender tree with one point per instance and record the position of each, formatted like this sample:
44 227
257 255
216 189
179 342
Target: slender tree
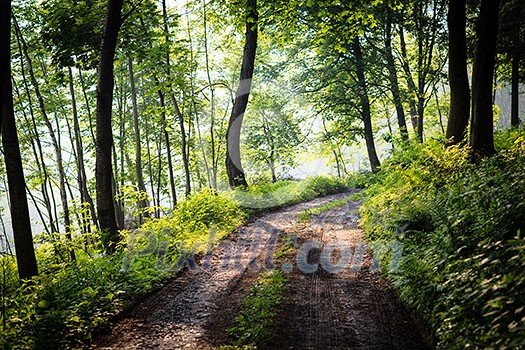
517 55
365 106
184 138
104 136
482 127
392 76
236 175
25 253
457 73
143 204
85 196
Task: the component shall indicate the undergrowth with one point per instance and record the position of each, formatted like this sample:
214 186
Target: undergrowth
461 228
74 302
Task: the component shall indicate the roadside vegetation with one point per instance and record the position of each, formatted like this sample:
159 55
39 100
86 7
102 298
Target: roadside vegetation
460 226
255 324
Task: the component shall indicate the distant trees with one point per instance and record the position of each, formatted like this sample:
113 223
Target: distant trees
511 46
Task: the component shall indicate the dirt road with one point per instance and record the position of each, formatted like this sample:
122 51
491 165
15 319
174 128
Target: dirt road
335 301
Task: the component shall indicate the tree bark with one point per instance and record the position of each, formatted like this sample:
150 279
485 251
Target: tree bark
516 60
457 73
412 89
482 127
168 145
184 143
236 175
104 135
25 252
143 203
81 170
365 107
392 76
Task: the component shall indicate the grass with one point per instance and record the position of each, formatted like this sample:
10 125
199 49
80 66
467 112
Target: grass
254 326
306 215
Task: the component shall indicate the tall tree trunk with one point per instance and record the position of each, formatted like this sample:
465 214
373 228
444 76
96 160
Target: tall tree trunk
392 75
457 73
88 106
25 252
516 60
168 144
185 153
236 175
150 169
214 162
104 135
143 204
81 174
409 79
54 140
365 106
482 125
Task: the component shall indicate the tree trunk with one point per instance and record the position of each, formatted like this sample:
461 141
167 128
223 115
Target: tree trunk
104 135
457 73
236 175
482 127
168 145
516 59
392 76
409 79
365 107
25 252
185 153
214 162
82 177
143 203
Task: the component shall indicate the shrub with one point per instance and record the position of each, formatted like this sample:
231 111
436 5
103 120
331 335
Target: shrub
460 226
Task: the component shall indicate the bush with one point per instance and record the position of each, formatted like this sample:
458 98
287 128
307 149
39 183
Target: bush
75 301
461 229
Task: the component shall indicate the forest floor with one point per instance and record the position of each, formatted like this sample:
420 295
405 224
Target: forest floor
348 309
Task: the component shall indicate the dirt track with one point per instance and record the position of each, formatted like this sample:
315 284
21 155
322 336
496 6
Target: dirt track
348 309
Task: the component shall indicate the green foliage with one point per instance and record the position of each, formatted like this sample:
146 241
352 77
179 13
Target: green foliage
460 226
73 303
260 307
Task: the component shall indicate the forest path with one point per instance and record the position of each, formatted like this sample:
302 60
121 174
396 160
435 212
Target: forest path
348 309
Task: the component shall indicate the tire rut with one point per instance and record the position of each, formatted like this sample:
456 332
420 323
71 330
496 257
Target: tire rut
351 308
